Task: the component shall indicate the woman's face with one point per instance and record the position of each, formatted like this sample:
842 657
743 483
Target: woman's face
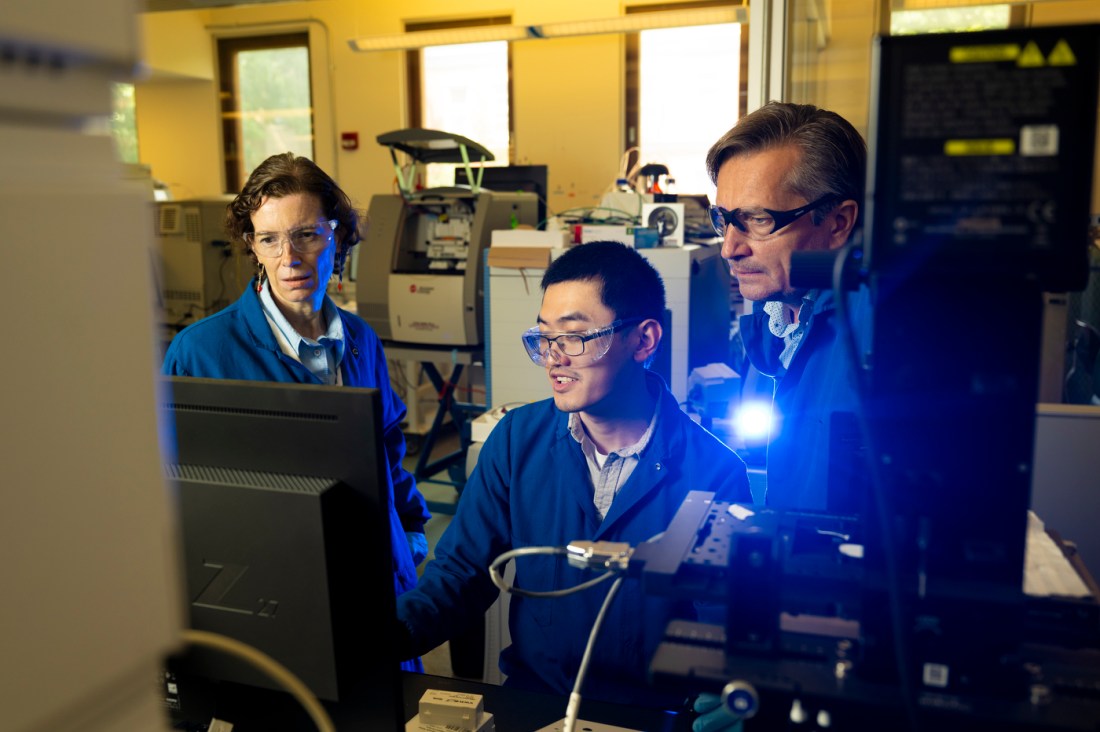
298 280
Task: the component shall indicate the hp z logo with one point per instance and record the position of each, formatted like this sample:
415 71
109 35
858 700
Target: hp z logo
215 594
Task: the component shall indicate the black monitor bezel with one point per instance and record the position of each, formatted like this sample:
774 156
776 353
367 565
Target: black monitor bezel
327 441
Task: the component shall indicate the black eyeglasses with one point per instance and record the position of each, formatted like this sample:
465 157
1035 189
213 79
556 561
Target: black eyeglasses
762 222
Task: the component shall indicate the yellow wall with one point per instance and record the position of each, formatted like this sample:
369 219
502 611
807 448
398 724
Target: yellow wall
568 95
178 45
1075 11
1066 11
841 71
567 103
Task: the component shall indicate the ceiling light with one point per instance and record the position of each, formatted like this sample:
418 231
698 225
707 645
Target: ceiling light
622 24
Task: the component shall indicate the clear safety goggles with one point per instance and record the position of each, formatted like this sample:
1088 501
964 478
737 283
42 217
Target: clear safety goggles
304 239
592 343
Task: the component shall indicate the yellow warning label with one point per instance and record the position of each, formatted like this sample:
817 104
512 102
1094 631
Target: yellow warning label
1062 55
1003 146
1031 57
984 54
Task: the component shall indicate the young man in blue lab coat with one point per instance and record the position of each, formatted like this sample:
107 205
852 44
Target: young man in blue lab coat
610 457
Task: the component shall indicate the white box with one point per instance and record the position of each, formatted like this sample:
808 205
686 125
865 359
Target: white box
606 232
451 710
585 725
416 724
529 238
512 301
484 423
422 309
620 205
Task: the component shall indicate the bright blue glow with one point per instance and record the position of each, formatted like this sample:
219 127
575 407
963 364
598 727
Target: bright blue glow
753 420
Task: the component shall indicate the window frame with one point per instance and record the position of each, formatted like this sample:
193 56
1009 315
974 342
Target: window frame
228 94
632 130
414 72
124 131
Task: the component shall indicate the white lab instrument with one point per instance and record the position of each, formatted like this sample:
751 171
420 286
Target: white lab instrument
198 270
419 276
92 595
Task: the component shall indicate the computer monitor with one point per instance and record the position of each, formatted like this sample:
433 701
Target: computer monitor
510 178
284 520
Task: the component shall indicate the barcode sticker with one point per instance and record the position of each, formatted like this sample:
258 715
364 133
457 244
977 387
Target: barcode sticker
1039 140
935 674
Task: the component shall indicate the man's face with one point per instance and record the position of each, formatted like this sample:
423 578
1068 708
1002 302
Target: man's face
581 383
755 181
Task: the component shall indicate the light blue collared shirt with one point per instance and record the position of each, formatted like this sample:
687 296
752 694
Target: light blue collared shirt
322 356
781 325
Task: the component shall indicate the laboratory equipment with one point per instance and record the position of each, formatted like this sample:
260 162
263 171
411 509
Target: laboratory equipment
530 178
198 270
917 608
420 272
91 583
668 219
651 175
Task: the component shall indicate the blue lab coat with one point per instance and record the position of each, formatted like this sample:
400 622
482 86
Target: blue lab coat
820 381
531 487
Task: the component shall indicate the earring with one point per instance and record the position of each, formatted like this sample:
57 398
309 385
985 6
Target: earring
259 277
340 272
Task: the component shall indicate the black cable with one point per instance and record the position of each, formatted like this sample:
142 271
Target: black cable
878 489
221 300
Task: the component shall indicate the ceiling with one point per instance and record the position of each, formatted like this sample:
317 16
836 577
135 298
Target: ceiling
153 6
